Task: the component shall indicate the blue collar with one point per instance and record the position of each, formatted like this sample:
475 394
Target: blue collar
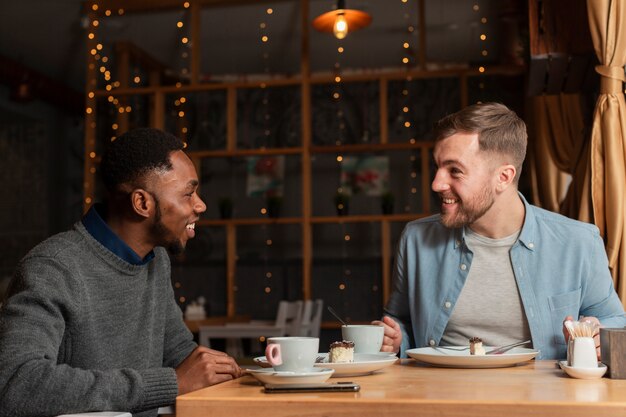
97 227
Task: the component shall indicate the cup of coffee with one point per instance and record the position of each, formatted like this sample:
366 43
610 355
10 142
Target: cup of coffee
292 354
581 352
367 338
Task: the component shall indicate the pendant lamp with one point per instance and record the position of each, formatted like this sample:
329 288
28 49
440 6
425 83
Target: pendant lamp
342 20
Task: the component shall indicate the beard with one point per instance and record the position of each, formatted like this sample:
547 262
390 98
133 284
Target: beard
470 210
163 235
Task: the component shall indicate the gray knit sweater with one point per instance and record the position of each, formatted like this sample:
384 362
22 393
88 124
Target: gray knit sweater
85 331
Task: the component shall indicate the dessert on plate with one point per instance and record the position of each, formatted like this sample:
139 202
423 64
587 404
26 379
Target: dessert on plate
476 346
341 352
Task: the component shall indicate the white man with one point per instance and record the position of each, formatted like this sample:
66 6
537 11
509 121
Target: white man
490 265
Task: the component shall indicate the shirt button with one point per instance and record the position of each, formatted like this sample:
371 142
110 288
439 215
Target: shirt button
458 243
431 342
463 267
531 245
448 304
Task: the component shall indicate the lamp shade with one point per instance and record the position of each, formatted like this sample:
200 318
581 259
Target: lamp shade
355 19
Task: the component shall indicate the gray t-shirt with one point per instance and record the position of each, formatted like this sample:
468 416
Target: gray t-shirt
489 306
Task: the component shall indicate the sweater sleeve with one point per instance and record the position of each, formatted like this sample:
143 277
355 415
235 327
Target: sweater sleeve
178 341
35 381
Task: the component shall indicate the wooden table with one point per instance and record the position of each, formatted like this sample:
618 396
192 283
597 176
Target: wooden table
409 388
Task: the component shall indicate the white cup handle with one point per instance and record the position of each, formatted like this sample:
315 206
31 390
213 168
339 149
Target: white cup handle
272 353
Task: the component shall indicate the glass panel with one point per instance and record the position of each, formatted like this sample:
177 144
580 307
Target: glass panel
201 271
345 113
454 29
505 89
405 182
269 268
198 118
233 41
228 178
155 47
346 269
115 113
268 117
415 105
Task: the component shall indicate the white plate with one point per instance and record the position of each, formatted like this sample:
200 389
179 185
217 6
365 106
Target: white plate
270 376
364 363
584 373
463 359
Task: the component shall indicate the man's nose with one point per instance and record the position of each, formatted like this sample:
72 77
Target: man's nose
199 207
439 183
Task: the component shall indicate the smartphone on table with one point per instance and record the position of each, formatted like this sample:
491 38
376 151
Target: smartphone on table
318 387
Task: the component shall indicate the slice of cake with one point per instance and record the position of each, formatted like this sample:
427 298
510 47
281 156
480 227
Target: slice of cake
341 352
476 346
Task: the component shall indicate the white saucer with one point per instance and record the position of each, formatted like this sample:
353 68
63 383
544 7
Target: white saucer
584 373
270 376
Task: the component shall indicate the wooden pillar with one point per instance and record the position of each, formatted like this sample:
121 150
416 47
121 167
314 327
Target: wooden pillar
385 237
231 231
421 15
383 109
231 118
307 232
231 265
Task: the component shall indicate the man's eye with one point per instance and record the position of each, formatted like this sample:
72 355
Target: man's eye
455 171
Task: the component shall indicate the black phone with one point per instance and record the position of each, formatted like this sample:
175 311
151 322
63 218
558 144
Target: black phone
320 387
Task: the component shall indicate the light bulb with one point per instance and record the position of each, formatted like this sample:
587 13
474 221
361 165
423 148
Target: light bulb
340 28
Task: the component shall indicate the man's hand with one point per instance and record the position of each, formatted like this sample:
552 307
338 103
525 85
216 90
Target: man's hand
393 335
596 337
204 367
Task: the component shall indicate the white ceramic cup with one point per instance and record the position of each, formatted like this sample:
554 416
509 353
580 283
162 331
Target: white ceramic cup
367 338
581 353
293 354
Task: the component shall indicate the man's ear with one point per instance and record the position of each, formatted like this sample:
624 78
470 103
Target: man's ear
506 176
142 202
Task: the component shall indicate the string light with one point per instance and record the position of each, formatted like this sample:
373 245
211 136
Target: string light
179 111
483 37
404 117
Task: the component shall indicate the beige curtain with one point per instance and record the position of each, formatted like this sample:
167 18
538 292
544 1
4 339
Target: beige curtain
607 22
559 147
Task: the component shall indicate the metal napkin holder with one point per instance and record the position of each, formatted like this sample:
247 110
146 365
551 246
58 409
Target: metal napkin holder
613 345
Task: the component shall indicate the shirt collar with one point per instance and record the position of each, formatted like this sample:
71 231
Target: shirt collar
100 230
528 235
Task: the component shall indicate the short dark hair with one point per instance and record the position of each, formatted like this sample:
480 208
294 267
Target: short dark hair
499 130
135 153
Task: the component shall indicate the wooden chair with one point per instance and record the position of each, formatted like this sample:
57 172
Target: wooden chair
287 323
312 318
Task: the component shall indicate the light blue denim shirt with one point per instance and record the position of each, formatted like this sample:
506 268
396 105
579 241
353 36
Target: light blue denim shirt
560 266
